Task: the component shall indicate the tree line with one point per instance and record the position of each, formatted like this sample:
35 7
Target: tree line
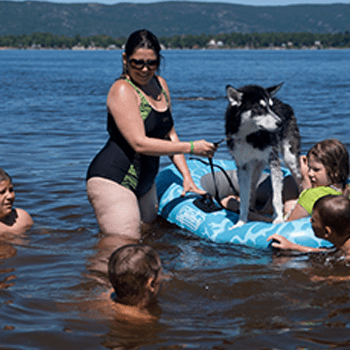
232 40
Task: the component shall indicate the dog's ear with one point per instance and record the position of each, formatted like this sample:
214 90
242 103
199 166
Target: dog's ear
274 89
234 96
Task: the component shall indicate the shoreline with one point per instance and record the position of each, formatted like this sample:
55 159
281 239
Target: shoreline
275 48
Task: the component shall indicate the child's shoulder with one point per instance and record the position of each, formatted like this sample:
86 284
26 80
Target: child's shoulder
319 191
24 219
17 222
23 214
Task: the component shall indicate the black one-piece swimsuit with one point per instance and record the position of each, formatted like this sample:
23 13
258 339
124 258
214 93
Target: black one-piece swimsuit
117 161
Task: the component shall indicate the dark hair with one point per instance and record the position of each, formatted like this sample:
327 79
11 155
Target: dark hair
335 158
334 211
4 176
144 39
129 269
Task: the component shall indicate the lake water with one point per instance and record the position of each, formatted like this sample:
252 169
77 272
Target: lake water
220 296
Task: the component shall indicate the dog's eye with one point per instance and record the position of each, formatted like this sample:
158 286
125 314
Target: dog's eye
262 103
270 102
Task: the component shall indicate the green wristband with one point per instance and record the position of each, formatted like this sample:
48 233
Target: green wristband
192 148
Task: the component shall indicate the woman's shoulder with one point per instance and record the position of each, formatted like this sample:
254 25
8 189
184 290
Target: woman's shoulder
164 86
121 90
122 85
160 79
162 82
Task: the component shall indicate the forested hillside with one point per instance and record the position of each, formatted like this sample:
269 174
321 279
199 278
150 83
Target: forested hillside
168 18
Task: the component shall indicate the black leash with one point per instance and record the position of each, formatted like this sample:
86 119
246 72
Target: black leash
214 180
216 144
212 165
210 159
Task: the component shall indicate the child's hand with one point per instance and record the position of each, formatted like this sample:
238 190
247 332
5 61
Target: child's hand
304 170
280 242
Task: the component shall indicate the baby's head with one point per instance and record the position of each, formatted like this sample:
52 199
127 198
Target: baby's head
334 156
331 211
134 270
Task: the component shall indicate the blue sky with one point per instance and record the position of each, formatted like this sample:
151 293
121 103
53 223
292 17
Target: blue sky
242 2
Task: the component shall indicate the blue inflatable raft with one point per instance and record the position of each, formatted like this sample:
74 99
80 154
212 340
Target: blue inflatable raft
217 225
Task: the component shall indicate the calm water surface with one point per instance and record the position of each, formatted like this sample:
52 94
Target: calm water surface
220 296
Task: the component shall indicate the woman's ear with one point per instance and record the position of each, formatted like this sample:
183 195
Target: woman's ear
124 58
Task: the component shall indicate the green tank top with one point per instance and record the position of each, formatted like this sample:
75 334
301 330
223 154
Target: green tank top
308 197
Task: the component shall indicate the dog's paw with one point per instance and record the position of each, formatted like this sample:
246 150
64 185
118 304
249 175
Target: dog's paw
238 224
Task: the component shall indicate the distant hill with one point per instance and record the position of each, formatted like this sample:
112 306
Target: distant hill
168 18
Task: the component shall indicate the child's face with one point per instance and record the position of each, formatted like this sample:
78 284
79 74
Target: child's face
7 197
317 225
317 173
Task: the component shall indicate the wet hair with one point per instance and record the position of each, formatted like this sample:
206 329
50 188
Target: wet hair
129 269
142 39
4 176
335 158
334 211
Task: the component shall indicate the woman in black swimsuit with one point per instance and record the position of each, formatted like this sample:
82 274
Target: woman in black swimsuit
120 179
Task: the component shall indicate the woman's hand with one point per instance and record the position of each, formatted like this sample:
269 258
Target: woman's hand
190 186
203 148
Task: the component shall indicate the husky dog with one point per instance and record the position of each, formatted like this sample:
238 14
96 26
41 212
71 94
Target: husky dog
258 127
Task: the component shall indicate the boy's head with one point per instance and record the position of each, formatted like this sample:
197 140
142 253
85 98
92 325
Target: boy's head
331 214
133 271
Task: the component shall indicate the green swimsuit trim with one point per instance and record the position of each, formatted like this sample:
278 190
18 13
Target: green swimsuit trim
131 178
145 107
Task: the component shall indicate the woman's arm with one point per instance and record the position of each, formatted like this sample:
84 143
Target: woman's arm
181 164
123 104
179 159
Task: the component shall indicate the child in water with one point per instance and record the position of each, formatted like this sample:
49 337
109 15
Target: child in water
330 220
135 272
12 220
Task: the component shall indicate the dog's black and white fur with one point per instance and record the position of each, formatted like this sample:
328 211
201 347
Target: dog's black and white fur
258 127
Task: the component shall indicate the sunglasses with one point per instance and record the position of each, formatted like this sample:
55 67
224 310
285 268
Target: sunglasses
139 64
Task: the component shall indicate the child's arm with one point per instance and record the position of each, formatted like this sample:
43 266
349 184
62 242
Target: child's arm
284 244
297 213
